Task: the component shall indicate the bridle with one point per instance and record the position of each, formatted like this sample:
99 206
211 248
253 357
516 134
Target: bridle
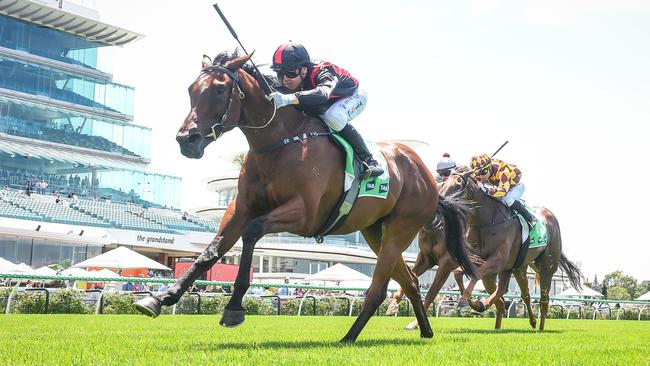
221 126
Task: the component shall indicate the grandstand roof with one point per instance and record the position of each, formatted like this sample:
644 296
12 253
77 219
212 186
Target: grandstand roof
65 21
67 155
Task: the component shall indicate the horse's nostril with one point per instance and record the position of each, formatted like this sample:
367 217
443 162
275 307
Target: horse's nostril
193 138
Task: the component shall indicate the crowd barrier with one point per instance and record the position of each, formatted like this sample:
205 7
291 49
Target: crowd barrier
566 305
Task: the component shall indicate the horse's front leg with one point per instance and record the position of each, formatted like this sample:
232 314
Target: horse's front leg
444 268
290 217
231 228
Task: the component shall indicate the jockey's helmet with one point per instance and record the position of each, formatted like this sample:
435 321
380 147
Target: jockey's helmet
290 56
480 161
446 162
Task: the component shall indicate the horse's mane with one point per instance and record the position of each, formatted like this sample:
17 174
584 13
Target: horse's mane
226 56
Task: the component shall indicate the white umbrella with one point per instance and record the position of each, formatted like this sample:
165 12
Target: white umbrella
586 291
21 268
44 271
337 273
74 272
6 266
123 258
105 273
644 297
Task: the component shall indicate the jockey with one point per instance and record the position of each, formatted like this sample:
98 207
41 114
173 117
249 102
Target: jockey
323 90
502 181
445 167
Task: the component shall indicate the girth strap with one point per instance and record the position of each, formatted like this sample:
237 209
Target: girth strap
287 141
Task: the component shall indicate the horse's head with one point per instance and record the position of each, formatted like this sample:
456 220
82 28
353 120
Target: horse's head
215 103
461 184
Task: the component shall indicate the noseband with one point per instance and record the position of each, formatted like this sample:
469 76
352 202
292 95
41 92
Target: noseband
221 124
235 83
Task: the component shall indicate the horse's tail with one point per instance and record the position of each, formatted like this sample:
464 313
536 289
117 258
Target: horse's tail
572 271
455 213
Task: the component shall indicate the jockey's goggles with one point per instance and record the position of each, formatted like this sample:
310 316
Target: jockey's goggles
444 172
483 171
288 73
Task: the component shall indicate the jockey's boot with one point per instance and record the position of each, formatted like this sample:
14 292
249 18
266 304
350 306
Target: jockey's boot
371 168
528 216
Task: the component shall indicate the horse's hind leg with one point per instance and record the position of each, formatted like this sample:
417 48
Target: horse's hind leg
445 267
490 283
394 241
522 281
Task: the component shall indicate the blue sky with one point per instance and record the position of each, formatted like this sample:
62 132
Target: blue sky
566 82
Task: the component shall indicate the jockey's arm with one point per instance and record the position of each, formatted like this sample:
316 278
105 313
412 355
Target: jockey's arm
326 82
503 186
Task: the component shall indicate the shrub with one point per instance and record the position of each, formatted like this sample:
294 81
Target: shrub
290 306
29 302
4 295
213 304
68 301
116 303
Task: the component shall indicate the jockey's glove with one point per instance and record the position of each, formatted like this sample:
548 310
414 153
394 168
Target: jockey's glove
281 100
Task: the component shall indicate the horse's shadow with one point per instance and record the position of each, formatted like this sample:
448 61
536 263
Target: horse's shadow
500 331
274 345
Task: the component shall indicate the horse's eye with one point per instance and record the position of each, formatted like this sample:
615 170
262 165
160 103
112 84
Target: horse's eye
220 89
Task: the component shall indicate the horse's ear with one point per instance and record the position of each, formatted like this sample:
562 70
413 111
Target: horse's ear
237 63
207 61
467 174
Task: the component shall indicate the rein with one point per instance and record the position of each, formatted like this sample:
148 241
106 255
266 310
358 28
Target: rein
223 128
221 124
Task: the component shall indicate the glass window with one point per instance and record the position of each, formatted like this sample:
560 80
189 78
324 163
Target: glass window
24 251
45 252
8 248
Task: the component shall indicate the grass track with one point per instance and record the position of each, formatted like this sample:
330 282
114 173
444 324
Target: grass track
278 340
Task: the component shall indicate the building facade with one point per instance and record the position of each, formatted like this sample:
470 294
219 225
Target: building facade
67 128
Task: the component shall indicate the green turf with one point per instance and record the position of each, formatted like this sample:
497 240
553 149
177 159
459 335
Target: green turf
279 340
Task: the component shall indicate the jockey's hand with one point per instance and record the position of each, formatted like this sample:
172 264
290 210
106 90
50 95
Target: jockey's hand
280 100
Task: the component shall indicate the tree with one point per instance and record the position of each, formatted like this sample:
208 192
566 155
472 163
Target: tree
239 159
642 288
618 278
618 293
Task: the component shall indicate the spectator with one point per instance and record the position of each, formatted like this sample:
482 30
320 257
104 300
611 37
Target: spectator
184 217
37 186
4 193
75 200
58 199
44 186
29 187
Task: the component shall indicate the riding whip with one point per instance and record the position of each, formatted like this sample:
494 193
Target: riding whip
499 149
232 31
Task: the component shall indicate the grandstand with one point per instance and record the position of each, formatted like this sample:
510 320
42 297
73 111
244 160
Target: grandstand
74 164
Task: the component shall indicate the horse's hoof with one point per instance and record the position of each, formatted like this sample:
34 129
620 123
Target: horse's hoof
149 306
477 306
462 303
393 308
533 324
232 318
412 325
426 334
346 340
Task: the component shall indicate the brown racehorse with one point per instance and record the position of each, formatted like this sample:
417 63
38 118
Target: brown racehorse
495 236
287 186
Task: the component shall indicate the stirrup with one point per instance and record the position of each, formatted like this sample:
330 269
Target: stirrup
371 170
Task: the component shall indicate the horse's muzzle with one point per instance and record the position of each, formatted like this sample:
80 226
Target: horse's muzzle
192 145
